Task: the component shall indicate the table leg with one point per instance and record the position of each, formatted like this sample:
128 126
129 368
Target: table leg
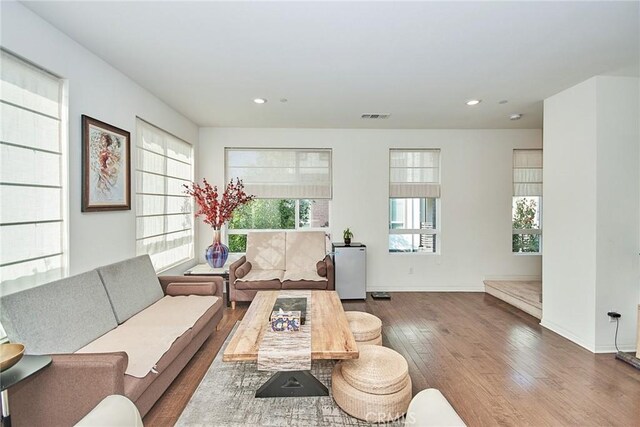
292 384
6 416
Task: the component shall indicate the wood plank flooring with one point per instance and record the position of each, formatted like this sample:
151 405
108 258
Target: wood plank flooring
493 362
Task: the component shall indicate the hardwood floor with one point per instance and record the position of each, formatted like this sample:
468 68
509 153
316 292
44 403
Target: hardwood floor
495 364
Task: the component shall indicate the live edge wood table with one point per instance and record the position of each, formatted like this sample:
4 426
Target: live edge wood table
331 339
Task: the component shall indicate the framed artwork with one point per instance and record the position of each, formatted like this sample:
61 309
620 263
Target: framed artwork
106 167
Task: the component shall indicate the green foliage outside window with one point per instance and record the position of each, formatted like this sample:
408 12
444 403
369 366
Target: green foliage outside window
262 214
524 217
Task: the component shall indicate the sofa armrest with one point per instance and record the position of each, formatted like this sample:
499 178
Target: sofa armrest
331 277
68 389
191 282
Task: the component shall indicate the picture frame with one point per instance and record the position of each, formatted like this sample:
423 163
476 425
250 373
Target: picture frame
106 167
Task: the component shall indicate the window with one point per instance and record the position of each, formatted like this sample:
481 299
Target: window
164 219
414 194
292 189
526 211
32 183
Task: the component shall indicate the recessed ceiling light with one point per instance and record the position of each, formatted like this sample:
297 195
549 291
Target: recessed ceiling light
516 116
474 101
259 100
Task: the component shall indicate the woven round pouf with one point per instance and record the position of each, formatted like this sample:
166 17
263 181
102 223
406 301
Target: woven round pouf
366 328
375 388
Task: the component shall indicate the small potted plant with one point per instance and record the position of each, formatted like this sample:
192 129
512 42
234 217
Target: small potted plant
347 235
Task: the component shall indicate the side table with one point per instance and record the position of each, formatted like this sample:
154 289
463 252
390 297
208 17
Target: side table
206 270
26 367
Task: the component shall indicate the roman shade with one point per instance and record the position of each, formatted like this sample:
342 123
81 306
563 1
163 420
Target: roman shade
527 172
32 181
281 173
164 218
414 173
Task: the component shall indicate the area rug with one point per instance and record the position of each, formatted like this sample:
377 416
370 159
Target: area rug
225 397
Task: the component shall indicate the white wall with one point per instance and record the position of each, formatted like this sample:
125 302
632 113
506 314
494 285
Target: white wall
475 203
100 91
591 193
569 262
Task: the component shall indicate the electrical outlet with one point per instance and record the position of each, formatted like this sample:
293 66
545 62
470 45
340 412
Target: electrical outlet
410 270
613 315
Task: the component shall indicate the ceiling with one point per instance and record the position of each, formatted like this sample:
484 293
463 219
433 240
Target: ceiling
333 61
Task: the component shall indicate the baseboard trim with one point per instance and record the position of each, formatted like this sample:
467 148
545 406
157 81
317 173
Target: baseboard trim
553 327
625 348
461 288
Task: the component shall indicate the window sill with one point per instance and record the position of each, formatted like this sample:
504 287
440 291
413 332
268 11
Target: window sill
527 253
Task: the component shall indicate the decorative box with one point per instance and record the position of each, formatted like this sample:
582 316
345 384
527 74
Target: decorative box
285 321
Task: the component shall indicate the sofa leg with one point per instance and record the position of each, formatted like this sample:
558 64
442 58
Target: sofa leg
233 305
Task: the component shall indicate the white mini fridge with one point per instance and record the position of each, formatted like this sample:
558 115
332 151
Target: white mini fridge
350 270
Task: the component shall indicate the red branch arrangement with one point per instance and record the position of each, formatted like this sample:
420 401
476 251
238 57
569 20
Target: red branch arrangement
217 212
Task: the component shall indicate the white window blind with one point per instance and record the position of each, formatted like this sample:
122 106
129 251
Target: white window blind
527 172
32 228
414 173
284 173
164 218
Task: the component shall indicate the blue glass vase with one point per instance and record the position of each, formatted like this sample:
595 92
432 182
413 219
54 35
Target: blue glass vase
216 253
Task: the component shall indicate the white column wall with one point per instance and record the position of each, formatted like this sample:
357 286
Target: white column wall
100 91
591 211
475 203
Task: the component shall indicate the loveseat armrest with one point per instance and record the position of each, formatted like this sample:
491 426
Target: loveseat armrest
68 389
191 285
233 267
331 278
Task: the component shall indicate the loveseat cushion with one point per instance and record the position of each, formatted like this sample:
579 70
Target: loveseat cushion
265 250
258 285
308 275
60 316
132 286
148 335
305 284
257 275
305 249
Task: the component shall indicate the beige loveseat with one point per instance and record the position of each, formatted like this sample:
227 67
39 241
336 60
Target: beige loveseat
281 260
118 329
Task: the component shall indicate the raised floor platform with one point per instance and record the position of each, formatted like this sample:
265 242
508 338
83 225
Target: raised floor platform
523 294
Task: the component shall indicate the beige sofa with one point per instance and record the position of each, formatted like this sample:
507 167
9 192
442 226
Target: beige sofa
281 260
118 329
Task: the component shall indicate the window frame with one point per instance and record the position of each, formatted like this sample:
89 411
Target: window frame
240 231
530 231
436 231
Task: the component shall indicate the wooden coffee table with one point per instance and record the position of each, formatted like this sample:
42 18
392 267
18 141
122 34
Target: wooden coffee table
331 338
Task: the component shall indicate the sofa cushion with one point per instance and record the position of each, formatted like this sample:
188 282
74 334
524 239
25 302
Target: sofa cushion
58 317
308 275
257 275
304 250
132 286
134 387
259 285
148 335
265 250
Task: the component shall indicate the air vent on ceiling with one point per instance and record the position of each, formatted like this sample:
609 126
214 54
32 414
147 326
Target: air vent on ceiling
376 116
